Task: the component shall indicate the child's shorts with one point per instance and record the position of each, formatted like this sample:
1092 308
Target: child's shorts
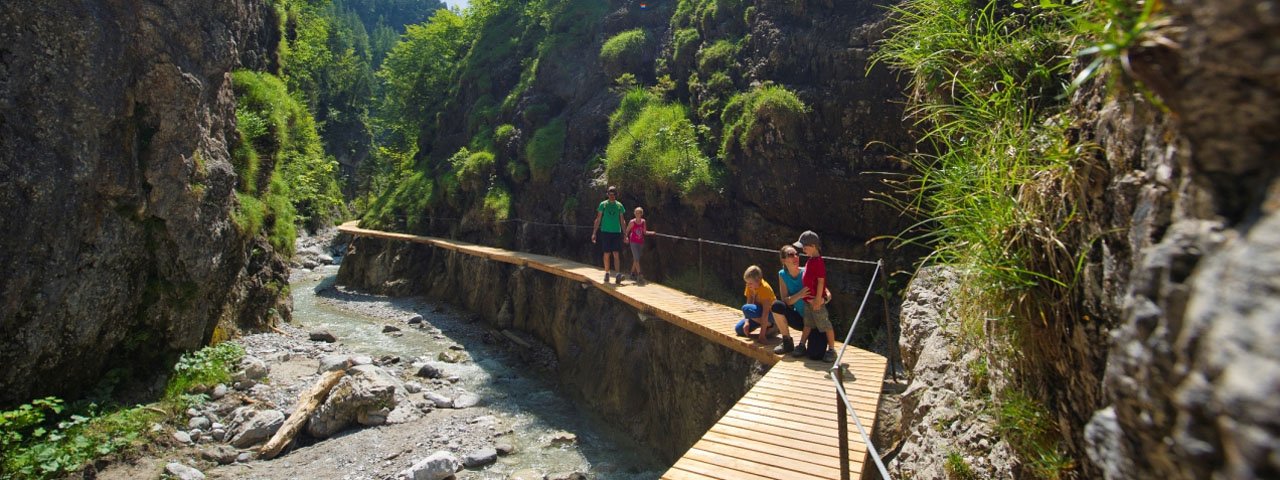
751 313
819 320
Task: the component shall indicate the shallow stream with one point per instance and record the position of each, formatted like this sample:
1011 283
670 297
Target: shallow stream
526 400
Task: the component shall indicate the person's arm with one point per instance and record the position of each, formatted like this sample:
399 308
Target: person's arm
595 227
818 300
782 291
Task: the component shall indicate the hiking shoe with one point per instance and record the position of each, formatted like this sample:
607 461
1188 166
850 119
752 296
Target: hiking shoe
830 356
786 347
799 352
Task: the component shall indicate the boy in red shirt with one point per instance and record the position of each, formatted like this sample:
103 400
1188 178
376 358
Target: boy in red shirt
816 315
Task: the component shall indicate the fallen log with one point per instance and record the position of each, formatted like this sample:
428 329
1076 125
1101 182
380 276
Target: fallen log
307 403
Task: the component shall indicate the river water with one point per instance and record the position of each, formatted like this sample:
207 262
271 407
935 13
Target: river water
526 400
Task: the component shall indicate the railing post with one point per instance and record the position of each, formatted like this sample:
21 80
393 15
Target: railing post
844 426
702 282
888 327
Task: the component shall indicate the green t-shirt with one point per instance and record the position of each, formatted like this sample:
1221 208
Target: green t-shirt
612 211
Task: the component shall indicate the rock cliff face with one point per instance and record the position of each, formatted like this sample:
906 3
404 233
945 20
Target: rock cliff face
662 383
816 172
116 186
1193 368
1171 369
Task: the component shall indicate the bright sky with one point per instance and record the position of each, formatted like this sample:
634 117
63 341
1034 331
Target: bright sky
456 3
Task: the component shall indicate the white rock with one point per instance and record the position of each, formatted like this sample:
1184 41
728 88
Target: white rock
438 466
183 472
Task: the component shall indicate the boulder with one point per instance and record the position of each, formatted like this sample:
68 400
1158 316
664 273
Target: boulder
439 400
365 396
254 368
480 458
183 472
323 336
438 466
250 426
429 371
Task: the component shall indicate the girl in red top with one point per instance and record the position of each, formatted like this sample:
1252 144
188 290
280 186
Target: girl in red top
634 235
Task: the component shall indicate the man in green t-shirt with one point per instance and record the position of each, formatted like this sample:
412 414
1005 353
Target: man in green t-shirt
609 223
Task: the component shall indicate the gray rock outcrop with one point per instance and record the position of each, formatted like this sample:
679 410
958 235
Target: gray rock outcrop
119 248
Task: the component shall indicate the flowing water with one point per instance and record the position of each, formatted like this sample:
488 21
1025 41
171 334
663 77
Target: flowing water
526 400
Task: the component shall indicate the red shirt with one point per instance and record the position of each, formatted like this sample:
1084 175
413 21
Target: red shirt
813 270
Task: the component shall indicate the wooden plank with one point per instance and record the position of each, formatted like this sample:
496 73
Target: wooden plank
783 453
752 469
816 436
773 435
739 455
678 474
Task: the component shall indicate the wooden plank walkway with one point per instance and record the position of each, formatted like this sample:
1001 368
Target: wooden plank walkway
785 427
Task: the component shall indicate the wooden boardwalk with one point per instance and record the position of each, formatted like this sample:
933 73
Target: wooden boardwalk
785 427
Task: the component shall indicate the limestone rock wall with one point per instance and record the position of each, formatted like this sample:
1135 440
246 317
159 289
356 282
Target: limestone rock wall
116 186
662 383
1170 369
1193 365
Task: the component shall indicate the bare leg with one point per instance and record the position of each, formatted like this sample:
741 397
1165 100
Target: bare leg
781 321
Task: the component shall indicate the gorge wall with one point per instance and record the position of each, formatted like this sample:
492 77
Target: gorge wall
116 187
814 171
1170 369
663 384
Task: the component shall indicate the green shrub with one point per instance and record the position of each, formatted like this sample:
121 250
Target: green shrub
504 134
719 56
659 150
204 368
684 46
624 52
403 206
280 145
545 150
774 104
473 169
42 439
497 203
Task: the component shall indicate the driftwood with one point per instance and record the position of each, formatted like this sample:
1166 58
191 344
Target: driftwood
307 403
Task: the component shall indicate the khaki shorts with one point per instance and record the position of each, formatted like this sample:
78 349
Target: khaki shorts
817 320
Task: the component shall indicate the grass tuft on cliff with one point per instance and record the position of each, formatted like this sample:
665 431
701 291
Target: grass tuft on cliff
624 52
545 150
285 177
654 146
746 114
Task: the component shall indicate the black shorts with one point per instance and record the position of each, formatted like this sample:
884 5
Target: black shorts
611 242
794 319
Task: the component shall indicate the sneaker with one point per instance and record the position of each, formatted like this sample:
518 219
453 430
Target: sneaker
786 347
619 279
830 356
606 276
799 352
